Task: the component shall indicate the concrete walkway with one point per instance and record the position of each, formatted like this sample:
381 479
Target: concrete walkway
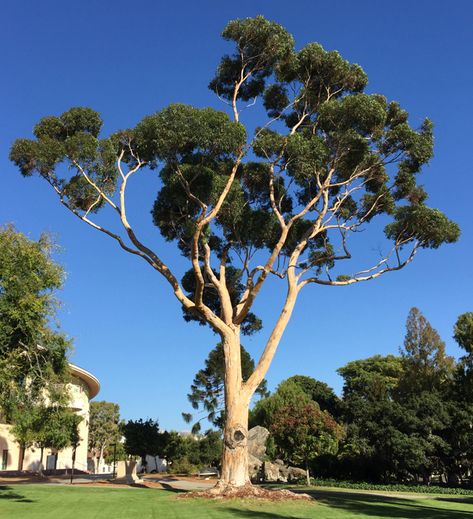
182 484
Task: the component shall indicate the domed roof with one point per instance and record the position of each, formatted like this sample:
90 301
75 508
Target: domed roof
92 383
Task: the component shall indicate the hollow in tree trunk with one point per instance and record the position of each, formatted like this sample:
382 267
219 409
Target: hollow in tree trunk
235 435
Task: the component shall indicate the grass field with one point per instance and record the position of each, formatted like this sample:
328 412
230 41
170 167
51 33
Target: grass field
63 502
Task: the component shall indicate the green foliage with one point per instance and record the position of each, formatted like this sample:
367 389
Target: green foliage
336 131
260 44
301 431
32 352
46 427
428 226
463 331
374 378
416 489
426 365
407 417
186 454
142 437
208 386
104 427
319 392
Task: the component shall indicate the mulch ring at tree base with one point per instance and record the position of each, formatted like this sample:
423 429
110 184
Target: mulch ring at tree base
246 492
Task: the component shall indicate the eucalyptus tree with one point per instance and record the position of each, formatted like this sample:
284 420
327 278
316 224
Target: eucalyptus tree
281 201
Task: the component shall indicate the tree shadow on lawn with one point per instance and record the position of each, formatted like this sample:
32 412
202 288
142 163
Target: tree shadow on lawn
459 499
170 488
385 506
8 493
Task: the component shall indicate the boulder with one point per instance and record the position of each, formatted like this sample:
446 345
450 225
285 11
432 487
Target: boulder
254 468
294 473
271 472
257 437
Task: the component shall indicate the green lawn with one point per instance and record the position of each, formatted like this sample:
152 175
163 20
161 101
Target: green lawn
62 502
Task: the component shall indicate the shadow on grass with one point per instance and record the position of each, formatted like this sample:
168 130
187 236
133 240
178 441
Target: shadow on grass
385 506
459 499
258 514
8 493
175 490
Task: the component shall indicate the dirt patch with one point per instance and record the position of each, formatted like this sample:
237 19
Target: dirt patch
246 492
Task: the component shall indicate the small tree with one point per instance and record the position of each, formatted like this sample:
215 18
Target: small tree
54 428
104 429
301 431
326 159
142 437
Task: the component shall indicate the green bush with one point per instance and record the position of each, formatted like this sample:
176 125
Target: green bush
420 489
183 466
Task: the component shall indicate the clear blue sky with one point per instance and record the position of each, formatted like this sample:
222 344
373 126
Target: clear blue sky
127 59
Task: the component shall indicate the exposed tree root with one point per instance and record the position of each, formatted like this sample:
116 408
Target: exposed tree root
249 491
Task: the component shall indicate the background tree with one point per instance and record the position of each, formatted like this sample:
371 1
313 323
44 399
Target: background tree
319 392
207 389
300 429
32 351
396 409
54 427
459 397
142 437
104 429
325 161
426 365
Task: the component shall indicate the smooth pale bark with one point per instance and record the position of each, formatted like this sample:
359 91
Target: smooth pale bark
235 436
238 394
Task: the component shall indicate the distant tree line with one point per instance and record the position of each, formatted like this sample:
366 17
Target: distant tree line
404 418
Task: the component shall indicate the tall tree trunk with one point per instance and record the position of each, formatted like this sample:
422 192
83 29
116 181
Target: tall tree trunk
99 460
74 451
21 459
41 461
307 473
235 434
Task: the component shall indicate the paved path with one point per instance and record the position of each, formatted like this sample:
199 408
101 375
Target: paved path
182 484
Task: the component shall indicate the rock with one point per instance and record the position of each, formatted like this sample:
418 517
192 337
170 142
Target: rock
294 473
254 468
271 472
279 462
257 437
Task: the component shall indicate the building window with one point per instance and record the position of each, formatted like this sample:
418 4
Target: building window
4 459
